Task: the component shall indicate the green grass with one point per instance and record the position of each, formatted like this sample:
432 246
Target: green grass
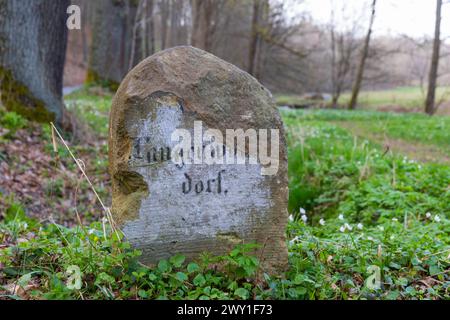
367 214
406 97
411 127
94 109
290 100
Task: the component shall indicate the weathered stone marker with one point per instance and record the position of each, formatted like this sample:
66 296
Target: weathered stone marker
170 199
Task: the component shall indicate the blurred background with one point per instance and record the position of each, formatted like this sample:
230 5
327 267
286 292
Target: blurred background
305 48
389 55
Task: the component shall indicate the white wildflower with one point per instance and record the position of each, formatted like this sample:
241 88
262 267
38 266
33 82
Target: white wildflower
349 227
293 241
428 215
322 222
360 226
369 238
437 218
341 217
291 218
304 218
342 229
74 276
302 211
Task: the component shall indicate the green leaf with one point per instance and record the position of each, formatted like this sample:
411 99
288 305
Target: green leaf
301 290
232 286
235 252
241 293
181 276
297 292
163 266
298 279
207 290
434 269
192 267
177 260
103 278
411 291
393 295
402 282
199 280
143 294
395 265
25 279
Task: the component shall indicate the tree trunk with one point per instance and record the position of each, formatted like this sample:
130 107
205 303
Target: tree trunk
203 23
198 24
362 63
112 35
430 107
254 36
164 8
334 92
84 36
151 27
142 42
175 15
33 40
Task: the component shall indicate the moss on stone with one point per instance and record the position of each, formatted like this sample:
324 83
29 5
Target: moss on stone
129 182
126 207
18 98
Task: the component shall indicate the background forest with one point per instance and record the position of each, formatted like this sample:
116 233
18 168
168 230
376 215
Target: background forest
279 42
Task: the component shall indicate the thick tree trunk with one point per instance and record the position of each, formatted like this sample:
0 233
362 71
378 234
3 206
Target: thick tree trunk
112 35
33 40
430 107
362 63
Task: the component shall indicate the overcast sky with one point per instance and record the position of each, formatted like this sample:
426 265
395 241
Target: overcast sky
414 18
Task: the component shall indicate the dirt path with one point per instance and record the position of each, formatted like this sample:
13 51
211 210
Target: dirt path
417 151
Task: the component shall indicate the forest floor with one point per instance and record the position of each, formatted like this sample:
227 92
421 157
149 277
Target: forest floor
369 200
